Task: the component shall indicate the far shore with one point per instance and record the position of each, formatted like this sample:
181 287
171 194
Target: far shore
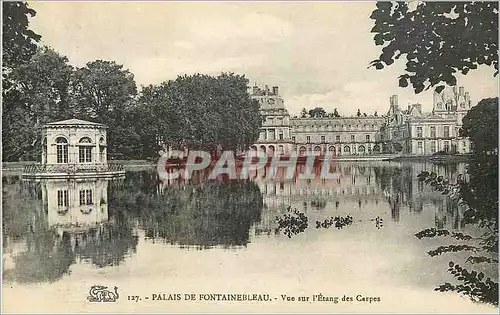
16 168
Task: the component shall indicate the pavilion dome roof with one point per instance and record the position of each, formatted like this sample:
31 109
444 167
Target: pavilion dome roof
75 122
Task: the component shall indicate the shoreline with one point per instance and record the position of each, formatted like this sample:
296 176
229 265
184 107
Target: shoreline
16 168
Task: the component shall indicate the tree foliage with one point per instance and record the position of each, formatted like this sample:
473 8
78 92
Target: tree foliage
44 81
49 89
202 112
438 39
477 191
317 112
303 113
480 125
105 92
19 43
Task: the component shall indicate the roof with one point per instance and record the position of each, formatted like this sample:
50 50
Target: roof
77 122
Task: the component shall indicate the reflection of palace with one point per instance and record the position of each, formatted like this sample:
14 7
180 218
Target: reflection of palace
394 184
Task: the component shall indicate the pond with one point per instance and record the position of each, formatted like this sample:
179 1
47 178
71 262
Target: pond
181 245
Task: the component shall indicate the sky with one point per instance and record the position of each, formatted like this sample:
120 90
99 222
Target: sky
316 52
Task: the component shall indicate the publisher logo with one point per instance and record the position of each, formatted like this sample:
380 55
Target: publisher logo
99 293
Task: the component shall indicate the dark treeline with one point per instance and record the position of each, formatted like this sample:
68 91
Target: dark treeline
41 86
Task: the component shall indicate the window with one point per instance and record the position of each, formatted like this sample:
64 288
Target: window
308 138
263 134
280 135
419 145
44 150
446 146
62 198
85 154
367 138
419 132
86 197
85 150
352 137
322 138
446 131
433 132
433 146
62 150
293 138
337 138
272 134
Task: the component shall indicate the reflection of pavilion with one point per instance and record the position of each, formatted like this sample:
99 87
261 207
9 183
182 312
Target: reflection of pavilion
68 222
76 205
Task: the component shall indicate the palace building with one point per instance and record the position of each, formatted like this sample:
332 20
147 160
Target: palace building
408 132
413 132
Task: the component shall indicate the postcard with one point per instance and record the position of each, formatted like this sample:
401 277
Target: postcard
249 157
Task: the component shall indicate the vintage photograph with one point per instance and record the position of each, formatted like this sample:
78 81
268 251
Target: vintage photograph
249 157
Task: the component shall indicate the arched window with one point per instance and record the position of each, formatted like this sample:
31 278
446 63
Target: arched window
44 148
101 149
62 150
85 150
302 151
347 149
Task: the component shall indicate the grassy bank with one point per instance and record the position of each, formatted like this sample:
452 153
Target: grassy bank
433 159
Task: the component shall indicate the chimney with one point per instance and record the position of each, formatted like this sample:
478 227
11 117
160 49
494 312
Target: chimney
394 101
467 97
461 90
418 107
266 89
255 90
275 90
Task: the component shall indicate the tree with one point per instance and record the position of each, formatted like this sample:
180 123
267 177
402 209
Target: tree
45 82
317 112
480 125
103 88
105 92
202 112
303 113
438 39
358 113
19 43
477 191
18 134
336 113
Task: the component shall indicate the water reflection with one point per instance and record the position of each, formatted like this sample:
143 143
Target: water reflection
202 215
54 223
50 225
